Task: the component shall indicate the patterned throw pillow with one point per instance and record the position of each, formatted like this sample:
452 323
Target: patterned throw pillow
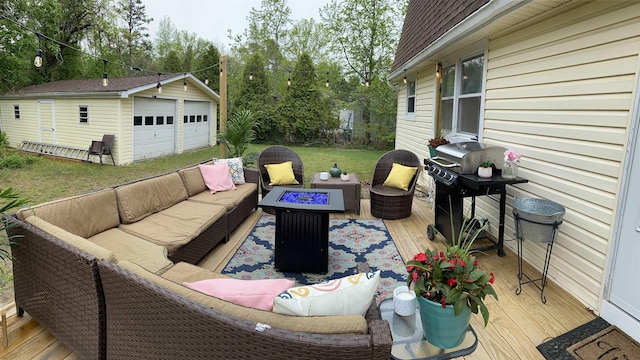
350 295
235 168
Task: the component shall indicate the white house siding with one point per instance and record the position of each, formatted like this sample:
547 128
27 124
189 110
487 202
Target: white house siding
23 129
413 133
560 92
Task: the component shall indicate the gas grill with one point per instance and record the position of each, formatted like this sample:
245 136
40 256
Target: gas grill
454 169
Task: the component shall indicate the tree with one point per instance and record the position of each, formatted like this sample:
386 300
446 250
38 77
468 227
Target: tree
133 13
267 32
303 112
364 34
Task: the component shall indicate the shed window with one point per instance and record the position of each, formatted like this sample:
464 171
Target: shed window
411 97
137 121
148 120
16 112
199 118
192 118
205 118
159 120
462 96
169 120
185 119
84 114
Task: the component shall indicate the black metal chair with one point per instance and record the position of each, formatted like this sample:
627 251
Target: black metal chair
100 148
275 155
388 202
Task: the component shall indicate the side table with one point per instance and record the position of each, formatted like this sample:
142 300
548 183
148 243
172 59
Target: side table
409 341
350 189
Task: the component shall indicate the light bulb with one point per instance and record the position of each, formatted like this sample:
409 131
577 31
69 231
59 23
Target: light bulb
105 79
404 80
159 86
289 82
184 85
251 76
206 80
327 83
38 60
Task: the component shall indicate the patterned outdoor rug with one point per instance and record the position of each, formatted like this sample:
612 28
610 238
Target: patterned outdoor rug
350 241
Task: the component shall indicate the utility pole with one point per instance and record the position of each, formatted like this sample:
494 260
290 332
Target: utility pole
223 104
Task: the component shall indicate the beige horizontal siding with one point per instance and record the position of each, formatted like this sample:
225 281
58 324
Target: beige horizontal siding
413 133
560 92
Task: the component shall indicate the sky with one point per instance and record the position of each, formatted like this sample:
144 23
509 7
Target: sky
210 19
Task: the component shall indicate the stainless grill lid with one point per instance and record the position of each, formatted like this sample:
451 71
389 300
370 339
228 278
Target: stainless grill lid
469 155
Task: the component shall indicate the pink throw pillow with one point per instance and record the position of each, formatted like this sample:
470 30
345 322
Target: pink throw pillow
258 294
217 177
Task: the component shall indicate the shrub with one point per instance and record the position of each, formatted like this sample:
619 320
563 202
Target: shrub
16 161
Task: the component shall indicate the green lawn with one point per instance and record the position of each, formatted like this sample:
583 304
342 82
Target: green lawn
48 179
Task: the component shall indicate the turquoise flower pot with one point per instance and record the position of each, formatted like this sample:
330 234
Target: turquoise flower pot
441 327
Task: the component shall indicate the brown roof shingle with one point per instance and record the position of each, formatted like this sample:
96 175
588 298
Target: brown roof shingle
426 21
93 85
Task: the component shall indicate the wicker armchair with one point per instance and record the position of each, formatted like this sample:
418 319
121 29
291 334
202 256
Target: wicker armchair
387 202
275 155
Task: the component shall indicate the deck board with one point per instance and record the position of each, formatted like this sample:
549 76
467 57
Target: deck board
517 324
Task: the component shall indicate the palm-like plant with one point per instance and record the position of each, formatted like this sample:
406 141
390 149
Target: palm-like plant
241 131
8 200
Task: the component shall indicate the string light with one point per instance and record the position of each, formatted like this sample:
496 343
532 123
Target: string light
37 62
438 70
366 79
159 86
327 83
184 82
251 76
289 79
206 80
105 78
404 80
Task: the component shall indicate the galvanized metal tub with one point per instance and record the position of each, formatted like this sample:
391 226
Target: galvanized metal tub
537 219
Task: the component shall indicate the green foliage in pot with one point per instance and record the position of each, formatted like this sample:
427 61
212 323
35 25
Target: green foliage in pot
486 164
453 276
241 131
8 200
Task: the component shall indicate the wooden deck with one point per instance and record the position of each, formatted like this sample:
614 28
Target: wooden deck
517 324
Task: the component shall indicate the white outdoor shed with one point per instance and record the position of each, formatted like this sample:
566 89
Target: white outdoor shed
63 117
557 81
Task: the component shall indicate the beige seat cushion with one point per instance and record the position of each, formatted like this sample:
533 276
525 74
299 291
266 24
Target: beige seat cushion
177 225
83 215
73 240
132 248
228 199
143 198
183 272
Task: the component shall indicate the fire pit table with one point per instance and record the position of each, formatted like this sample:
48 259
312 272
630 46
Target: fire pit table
302 226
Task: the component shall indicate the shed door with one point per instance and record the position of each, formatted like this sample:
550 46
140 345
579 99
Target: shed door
153 128
196 124
47 122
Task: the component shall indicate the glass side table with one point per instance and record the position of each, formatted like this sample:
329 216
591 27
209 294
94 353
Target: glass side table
409 341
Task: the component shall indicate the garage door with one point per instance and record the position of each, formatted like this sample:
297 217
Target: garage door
196 131
153 128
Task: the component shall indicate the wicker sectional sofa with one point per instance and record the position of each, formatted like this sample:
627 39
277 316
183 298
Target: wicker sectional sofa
103 273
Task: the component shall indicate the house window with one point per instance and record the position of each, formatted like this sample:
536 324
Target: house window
16 112
84 114
462 96
411 97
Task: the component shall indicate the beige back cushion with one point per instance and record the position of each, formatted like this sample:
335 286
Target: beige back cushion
84 215
73 240
193 181
350 324
143 198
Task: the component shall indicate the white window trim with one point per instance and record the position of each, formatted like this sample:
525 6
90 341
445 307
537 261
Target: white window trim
80 118
411 115
479 48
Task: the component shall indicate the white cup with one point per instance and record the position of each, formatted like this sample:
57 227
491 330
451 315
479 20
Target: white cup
404 301
324 175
